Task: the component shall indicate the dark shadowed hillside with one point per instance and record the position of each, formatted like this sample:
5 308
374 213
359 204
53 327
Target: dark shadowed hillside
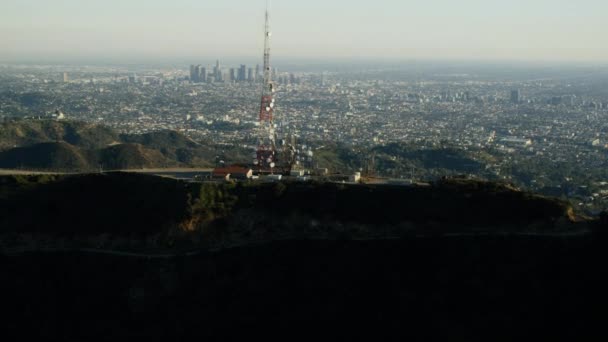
338 158
236 213
176 146
29 132
61 156
114 256
47 156
400 158
115 203
131 156
439 289
160 140
25 143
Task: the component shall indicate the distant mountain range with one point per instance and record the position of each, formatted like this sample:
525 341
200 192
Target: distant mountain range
71 145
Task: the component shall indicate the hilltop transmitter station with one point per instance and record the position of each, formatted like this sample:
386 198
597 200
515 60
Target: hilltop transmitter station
272 155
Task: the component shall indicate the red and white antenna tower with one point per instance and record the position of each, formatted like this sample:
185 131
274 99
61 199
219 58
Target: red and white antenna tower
268 159
266 156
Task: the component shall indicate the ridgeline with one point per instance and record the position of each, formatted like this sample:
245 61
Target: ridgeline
218 214
74 146
113 256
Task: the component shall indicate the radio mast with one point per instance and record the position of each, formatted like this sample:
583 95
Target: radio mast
266 155
268 159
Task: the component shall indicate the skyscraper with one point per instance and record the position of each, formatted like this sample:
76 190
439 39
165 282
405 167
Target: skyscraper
66 79
257 71
250 76
217 71
192 72
197 74
203 75
515 96
233 76
242 73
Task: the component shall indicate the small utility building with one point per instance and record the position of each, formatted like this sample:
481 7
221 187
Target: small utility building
233 172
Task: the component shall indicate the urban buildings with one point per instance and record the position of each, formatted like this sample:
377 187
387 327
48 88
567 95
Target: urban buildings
554 141
515 96
199 74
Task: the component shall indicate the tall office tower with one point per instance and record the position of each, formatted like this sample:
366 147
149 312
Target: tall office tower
218 71
203 75
197 74
250 76
257 71
66 78
571 100
242 73
233 76
515 96
192 73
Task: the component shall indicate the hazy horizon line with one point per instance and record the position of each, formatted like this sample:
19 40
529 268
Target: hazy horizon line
305 61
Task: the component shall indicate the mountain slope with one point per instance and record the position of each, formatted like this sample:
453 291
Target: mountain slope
132 156
28 144
161 139
222 212
175 146
47 156
29 132
62 156
402 157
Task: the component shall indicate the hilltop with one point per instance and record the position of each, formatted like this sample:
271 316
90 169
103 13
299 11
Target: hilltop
211 214
175 146
398 159
23 133
47 155
106 256
61 156
78 146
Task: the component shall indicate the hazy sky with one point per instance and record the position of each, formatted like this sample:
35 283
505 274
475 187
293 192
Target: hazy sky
404 29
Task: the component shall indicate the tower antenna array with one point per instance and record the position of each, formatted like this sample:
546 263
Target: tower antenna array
266 156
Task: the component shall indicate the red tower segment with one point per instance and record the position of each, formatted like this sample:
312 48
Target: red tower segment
266 108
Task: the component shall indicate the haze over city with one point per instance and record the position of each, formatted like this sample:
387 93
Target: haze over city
539 30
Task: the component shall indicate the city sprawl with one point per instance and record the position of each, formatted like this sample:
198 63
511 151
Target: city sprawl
543 129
